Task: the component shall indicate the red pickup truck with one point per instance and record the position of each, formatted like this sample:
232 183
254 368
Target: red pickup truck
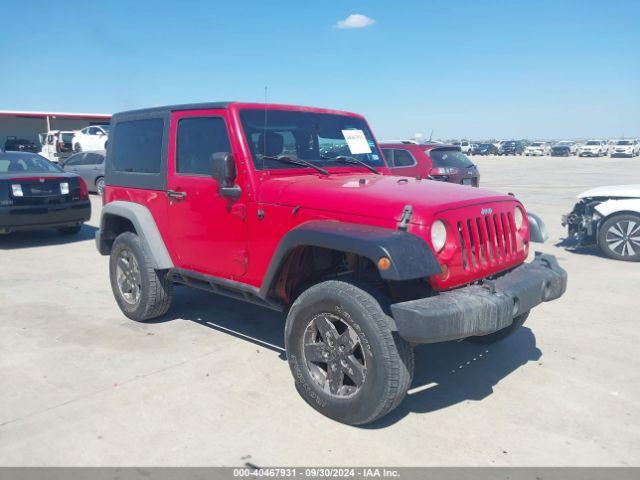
293 208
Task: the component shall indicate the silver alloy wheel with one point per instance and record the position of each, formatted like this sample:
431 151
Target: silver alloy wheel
623 238
100 186
334 355
128 277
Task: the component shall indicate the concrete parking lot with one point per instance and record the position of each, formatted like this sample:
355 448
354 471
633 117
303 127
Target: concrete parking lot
80 384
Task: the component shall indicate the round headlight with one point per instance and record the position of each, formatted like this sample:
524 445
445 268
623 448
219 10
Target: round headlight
438 235
518 217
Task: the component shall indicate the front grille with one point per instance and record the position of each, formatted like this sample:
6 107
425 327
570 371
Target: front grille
487 241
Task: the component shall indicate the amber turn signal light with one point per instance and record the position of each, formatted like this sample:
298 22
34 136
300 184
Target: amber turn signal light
384 263
445 271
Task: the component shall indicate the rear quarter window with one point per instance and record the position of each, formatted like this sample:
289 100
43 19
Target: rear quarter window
449 158
137 146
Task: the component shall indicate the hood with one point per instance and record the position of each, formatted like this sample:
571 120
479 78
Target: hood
623 191
374 196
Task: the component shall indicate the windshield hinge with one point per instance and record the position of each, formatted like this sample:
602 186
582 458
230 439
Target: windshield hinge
407 211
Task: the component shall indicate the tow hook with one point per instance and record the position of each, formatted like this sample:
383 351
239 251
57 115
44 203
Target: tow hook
407 211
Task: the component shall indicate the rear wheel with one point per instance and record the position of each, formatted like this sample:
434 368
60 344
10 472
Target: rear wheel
345 360
501 334
619 237
77 148
142 292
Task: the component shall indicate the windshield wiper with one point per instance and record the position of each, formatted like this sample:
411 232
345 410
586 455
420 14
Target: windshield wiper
353 161
296 161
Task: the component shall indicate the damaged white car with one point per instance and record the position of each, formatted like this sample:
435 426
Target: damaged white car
608 217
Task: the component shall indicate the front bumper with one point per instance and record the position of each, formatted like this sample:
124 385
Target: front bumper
481 309
622 154
33 217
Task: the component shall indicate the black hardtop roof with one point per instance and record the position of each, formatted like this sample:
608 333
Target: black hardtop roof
172 108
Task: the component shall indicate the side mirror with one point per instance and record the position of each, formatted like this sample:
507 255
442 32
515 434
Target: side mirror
223 169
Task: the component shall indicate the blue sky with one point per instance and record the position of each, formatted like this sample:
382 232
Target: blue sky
475 69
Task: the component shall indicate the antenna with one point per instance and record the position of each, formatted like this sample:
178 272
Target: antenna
264 133
431 135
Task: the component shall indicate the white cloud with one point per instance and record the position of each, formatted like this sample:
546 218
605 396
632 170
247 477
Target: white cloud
355 20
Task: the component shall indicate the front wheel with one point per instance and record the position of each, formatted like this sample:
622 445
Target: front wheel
501 334
142 292
345 360
619 237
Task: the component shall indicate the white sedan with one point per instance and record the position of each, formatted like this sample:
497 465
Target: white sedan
608 217
629 147
537 148
91 138
593 148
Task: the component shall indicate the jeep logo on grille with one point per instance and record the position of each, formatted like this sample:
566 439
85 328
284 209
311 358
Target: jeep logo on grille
486 211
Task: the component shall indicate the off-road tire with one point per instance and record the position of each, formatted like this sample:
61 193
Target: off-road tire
389 358
501 334
70 230
156 291
606 248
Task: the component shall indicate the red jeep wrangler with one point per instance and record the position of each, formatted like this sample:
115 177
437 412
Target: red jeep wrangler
293 208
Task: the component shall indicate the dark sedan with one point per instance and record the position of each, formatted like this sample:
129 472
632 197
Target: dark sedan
485 149
511 148
36 194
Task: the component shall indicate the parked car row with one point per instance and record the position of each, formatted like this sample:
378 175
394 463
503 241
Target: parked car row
565 148
56 145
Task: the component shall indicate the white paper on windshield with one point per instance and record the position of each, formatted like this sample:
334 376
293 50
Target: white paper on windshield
356 141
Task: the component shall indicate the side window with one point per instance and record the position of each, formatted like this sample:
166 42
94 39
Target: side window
198 139
85 131
91 159
74 159
137 146
403 158
93 131
388 155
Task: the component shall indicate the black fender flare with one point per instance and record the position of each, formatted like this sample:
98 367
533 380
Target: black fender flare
145 226
411 257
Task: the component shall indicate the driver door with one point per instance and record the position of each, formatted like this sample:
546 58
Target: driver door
207 230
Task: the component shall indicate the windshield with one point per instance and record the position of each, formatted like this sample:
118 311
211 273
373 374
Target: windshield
593 142
564 144
509 144
536 144
485 145
443 157
624 142
23 163
314 137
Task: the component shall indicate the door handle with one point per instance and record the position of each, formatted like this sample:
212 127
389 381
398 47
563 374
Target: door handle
176 195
